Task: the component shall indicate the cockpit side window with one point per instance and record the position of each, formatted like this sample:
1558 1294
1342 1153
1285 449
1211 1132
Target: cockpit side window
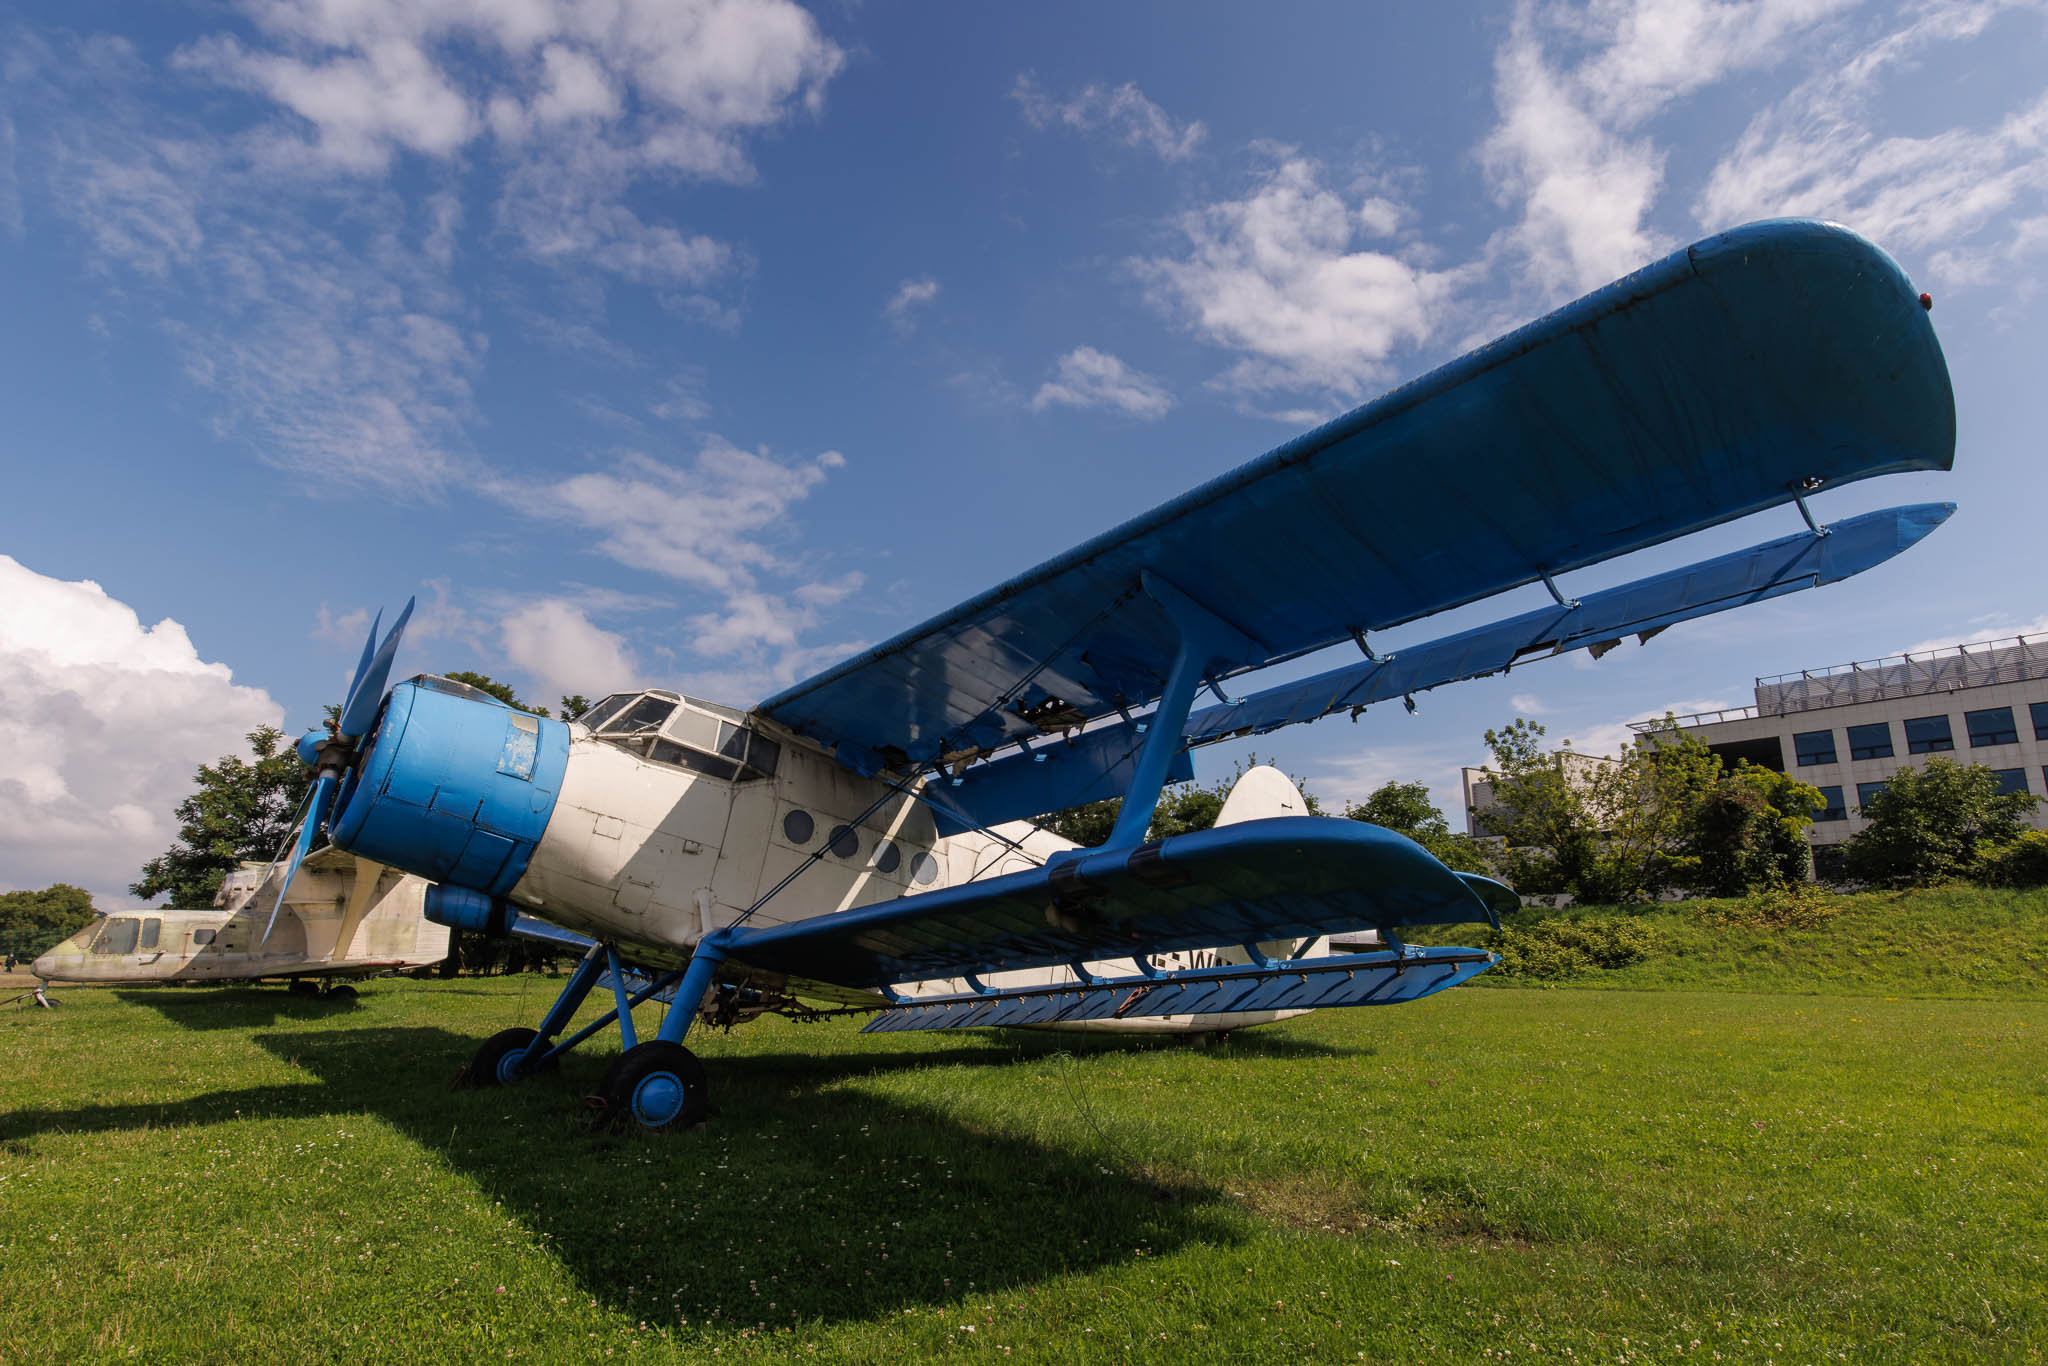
645 715
118 936
682 756
202 936
605 710
151 929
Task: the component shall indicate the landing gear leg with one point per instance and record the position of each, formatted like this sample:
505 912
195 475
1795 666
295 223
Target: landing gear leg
513 1054
659 1085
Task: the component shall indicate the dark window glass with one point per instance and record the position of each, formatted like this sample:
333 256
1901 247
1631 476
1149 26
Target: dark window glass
2010 780
645 715
737 742
1866 793
732 741
1873 741
798 827
887 857
1992 726
1928 735
2040 714
762 756
605 710
1814 747
924 869
202 936
119 936
152 928
669 752
1834 810
844 842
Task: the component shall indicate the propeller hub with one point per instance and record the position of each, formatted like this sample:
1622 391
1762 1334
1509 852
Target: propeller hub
310 744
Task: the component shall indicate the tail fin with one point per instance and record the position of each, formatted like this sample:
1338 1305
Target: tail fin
1260 794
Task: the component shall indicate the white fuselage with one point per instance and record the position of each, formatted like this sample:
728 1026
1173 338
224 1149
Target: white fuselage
655 857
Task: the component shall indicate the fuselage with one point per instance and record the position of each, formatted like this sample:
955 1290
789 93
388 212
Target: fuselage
666 818
341 917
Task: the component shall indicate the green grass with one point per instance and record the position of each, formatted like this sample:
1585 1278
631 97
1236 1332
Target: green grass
1563 1174
1950 942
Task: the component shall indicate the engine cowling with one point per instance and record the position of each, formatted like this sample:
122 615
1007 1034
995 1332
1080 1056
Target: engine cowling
453 785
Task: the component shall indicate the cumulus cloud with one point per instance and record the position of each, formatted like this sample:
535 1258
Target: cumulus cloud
910 296
1284 275
1087 378
103 721
1123 111
555 643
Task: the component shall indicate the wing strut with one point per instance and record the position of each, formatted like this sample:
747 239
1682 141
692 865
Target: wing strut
1205 642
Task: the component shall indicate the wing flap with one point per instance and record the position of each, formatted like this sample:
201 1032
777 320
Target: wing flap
1362 979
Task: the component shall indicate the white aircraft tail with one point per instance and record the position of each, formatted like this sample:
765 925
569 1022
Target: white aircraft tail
1260 794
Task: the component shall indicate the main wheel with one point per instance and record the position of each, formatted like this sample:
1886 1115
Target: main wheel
657 1085
501 1059
303 986
340 991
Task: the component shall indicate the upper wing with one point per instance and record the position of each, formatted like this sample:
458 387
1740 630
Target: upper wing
1719 381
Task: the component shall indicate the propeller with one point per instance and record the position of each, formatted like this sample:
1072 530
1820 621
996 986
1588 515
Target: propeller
331 752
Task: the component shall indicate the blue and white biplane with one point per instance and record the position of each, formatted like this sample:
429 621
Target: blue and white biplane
860 842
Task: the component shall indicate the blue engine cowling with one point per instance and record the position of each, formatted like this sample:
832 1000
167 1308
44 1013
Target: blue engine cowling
453 785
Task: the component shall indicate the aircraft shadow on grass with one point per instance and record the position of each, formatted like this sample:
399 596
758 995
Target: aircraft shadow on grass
792 1196
211 1007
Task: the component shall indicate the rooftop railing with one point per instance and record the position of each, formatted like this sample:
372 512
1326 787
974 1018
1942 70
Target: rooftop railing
1921 673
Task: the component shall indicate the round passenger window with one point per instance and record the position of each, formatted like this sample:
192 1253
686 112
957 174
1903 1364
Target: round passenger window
887 857
844 842
924 869
798 827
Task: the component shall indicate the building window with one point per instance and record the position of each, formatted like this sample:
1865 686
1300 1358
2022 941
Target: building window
1873 741
1992 726
2040 711
1833 810
1866 793
1928 735
1814 747
2010 780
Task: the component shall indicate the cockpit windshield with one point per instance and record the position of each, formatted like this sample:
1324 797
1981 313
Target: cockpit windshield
683 732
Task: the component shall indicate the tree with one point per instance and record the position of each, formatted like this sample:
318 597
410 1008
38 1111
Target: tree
1935 823
1406 809
32 922
574 705
242 811
1182 808
502 691
1550 837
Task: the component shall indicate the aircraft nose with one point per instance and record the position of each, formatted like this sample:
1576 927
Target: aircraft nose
45 966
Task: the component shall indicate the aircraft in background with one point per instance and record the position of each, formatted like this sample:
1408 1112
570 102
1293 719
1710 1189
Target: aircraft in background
860 841
342 917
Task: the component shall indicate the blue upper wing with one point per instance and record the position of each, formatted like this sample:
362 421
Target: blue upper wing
1714 383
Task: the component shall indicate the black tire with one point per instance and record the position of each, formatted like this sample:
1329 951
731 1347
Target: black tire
655 1086
341 991
301 986
487 1064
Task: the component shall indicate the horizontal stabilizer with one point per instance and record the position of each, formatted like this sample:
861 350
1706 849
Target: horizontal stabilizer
1353 979
1014 786
1295 877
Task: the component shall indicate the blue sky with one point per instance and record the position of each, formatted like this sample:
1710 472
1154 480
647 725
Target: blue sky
699 344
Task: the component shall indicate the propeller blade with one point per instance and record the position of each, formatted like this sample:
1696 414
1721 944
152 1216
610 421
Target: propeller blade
363 699
316 811
369 653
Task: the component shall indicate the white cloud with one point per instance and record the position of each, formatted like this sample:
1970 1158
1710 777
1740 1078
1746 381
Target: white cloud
1818 151
1124 111
1986 629
1343 778
554 642
1570 151
1277 275
1609 738
910 296
1087 378
1527 704
103 722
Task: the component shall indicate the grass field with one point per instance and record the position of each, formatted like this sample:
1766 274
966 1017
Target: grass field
1588 1172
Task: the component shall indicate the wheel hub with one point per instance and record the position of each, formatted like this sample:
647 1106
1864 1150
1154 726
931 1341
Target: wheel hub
658 1099
509 1066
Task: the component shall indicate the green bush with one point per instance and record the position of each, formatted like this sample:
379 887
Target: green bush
2021 863
1777 906
1550 950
